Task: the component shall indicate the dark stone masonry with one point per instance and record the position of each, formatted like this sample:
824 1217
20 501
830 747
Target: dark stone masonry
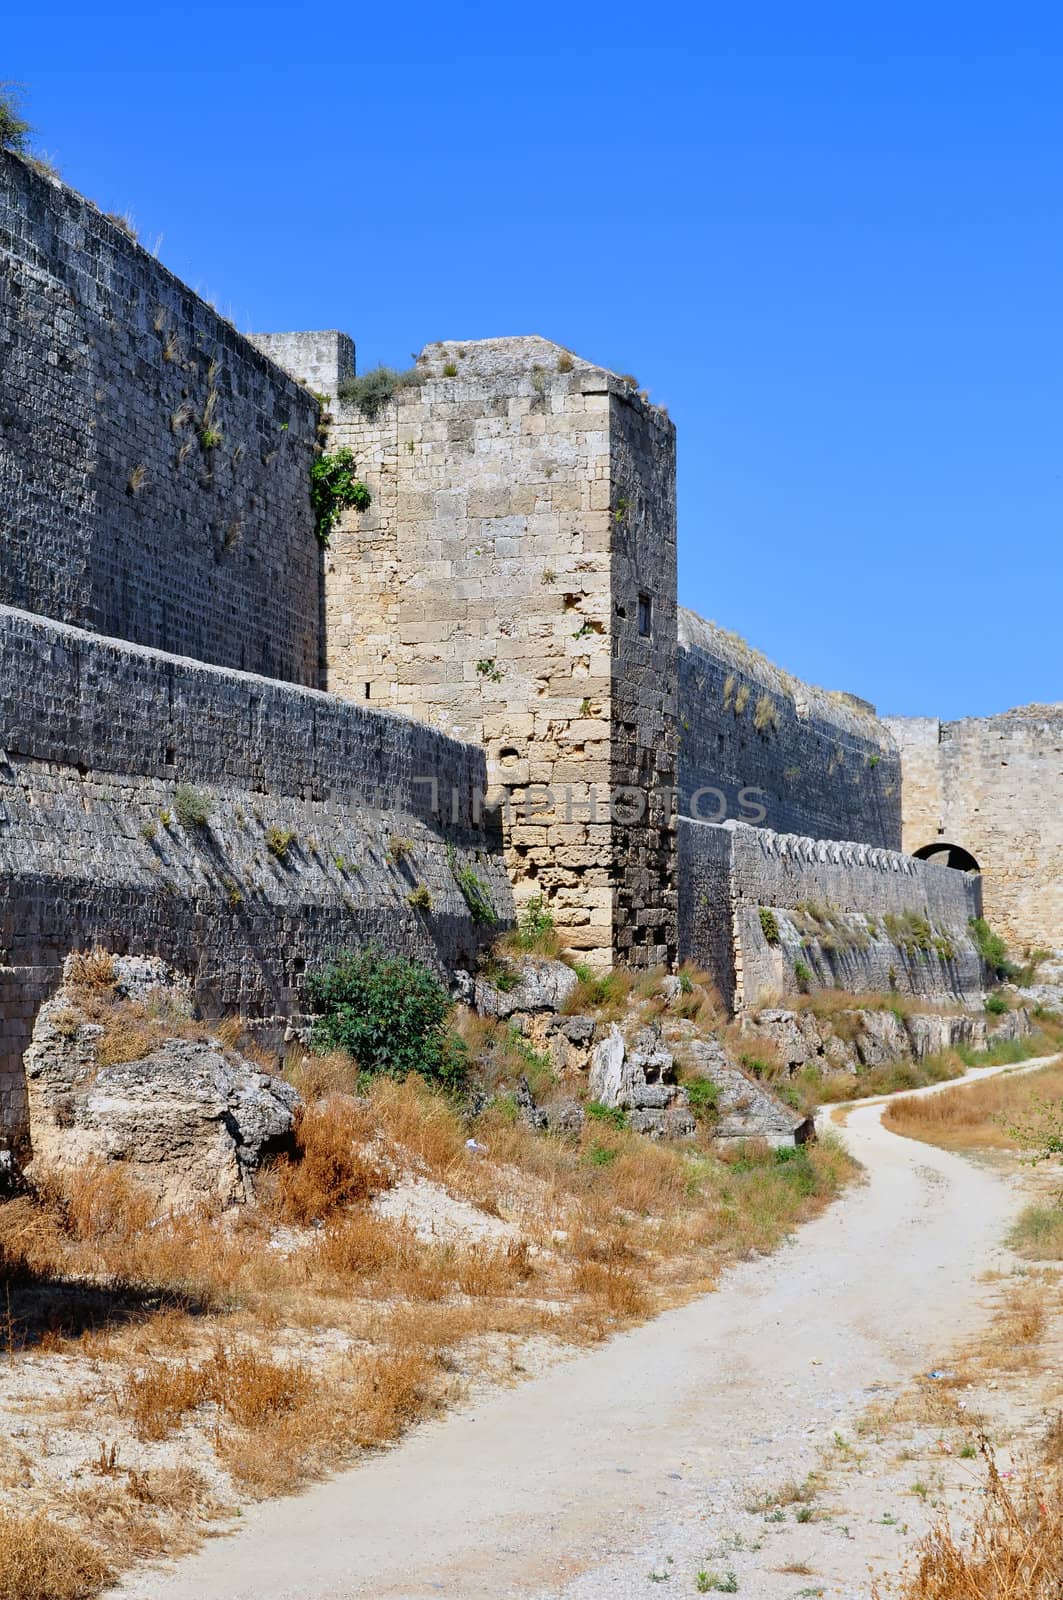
320 823
153 464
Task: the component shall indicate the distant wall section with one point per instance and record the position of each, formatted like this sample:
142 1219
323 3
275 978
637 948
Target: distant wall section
820 763
154 466
994 787
842 915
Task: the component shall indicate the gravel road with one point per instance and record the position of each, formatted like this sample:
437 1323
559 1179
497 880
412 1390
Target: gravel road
619 1469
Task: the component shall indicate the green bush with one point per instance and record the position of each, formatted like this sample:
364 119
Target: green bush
475 890
799 1169
803 974
704 1097
390 1014
611 1114
191 807
333 487
991 948
372 391
769 925
996 1005
536 926
14 129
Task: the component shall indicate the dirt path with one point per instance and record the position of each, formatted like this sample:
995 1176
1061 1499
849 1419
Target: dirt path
636 1464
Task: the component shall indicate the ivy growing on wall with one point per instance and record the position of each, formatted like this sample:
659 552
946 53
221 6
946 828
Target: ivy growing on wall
334 487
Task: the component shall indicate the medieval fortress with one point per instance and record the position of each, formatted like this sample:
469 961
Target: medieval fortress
229 744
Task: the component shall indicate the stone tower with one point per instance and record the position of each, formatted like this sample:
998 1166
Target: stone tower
514 582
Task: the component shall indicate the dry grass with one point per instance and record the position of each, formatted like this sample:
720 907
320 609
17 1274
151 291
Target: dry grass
284 1363
42 1560
1014 1550
978 1116
1038 1233
331 1169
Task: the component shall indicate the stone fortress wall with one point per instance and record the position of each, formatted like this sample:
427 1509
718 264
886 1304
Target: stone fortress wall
321 823
820 761
514 584
856 916
500 625
993 786
153 464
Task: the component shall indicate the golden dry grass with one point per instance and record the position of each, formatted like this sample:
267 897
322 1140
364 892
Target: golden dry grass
286 1362
42 1560
1014 1550
978 1116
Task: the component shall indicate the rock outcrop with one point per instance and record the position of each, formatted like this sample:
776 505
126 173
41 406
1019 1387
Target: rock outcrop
189 1118
847 1041
541 985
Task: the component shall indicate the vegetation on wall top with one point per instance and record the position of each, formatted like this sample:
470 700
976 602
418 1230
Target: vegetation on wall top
14 129
372 390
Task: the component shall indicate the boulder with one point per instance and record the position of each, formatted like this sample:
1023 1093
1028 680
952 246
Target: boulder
1012 1025
747 1109
190 1119
638 1075
882 1038
541 985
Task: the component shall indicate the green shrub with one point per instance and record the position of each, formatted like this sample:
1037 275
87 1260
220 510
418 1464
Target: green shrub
996 1005
704 1097
614 1115
191 807
390 1014
372 391
420 898
601 1155
279 841
803 974
991 948
474 889
333 487
769 925
535 928
14 129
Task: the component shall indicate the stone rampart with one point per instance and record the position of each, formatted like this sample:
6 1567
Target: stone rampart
759 746
154 466
843 915
320 819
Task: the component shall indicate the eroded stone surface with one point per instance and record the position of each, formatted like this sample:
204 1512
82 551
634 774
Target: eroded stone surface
189 1120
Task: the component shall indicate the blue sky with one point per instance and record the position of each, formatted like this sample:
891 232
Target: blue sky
828 237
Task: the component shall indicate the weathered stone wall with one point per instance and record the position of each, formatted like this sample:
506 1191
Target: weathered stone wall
95 738
819 763
154 466
993 786
859 918
522 502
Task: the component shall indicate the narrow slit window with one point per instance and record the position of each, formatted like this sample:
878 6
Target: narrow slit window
367 691
645 616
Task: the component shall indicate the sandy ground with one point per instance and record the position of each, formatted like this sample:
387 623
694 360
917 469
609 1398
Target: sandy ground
642 1463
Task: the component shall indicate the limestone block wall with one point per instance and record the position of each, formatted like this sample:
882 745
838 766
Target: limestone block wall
859 918
154 466
993 786
523 501
320 825
818 762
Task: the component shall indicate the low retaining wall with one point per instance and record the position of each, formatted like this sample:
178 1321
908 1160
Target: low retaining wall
322 818
846 915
